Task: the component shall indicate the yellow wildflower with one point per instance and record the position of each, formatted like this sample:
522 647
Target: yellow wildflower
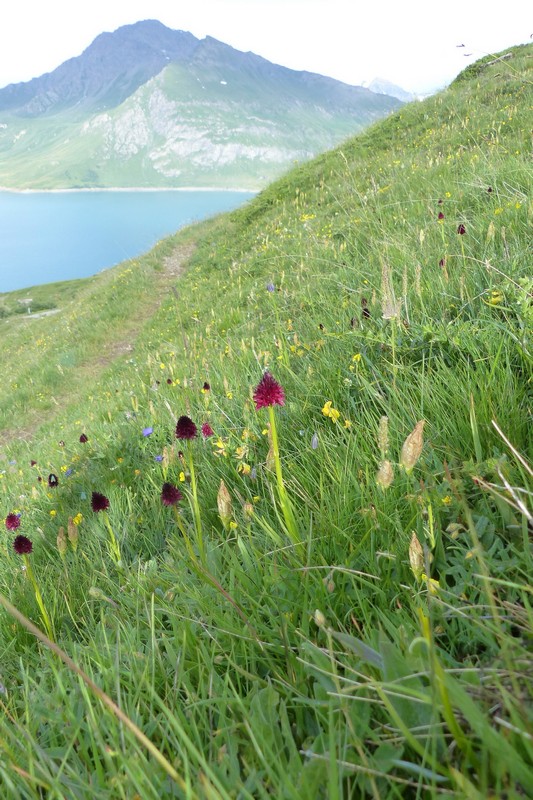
496 297
432 584
330 412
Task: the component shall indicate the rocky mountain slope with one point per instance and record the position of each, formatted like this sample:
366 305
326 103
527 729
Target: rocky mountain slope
149 106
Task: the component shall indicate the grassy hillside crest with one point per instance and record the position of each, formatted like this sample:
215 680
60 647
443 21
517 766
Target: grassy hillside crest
310 585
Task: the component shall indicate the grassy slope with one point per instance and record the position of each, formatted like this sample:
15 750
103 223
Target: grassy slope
398 687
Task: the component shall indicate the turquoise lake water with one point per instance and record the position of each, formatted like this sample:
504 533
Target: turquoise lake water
55 236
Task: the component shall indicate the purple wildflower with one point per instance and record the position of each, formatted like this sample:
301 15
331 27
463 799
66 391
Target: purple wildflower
185 428
268 392
22 545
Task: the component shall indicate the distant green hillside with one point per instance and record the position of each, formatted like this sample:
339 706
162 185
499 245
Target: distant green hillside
125 114
326 592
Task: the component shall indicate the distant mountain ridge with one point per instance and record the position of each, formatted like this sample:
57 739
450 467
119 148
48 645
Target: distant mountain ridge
150 106
105 74
383 86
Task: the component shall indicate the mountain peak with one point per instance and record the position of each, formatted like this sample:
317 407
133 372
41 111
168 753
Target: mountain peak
108 71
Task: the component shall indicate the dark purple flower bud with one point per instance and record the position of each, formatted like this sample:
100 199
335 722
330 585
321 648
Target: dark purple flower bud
22 545
268 392
461 230
207 430
206 387
170 495
185 428
83 438
99 502
12 522
441 215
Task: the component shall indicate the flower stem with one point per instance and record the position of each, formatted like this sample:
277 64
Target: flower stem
196 508
39 598
393 347
114 545
286 507
185 535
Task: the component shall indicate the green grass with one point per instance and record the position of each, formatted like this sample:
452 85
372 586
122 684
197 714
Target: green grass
322 636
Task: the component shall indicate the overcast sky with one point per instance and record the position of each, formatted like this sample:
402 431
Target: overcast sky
413 44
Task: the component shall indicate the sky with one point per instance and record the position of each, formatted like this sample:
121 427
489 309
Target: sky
412 43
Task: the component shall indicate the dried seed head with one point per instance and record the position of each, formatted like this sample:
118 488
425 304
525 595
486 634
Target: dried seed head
416 556
61 542
412 447
225 511
383 436
418 279
319 618
72 532
248 510
390 309
385 474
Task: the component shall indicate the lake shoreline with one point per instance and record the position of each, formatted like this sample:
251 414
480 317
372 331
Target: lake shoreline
51 236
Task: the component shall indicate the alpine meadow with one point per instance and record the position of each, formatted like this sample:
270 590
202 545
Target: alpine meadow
267 489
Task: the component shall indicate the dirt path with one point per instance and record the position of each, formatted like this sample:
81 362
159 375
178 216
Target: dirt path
173 267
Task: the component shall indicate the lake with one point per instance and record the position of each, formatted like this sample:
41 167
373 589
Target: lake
55 236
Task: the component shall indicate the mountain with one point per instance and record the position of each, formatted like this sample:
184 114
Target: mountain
150 106
383 86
